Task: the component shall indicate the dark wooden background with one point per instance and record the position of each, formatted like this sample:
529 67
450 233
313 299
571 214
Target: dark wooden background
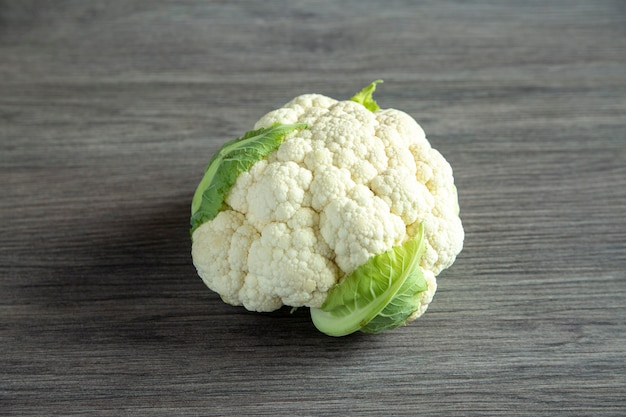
109 112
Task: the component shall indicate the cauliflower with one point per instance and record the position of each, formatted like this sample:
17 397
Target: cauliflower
339 206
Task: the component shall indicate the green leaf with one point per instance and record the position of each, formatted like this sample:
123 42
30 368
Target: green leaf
233 158
406 302
377 296
365 96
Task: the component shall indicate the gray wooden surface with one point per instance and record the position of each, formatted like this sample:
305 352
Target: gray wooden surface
109 112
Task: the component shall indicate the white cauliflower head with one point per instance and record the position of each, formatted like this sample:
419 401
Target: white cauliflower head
352 185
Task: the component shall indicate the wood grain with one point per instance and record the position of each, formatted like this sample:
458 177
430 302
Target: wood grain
110 110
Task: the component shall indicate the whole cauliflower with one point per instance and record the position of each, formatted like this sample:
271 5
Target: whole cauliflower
348 181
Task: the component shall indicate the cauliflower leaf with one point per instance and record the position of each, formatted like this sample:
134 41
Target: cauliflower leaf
233 158
379 295
365 97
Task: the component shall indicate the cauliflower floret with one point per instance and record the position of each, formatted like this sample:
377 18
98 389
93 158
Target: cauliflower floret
227 234
350 186
301 109
276 194
290 264
442 226
347 130
359 226
329 185
407 198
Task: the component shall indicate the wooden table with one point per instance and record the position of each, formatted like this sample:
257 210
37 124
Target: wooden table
109 112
